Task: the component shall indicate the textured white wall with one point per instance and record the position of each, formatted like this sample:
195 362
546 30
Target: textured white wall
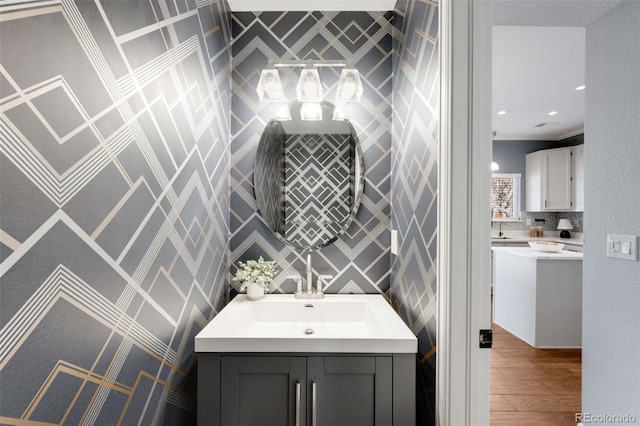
611 315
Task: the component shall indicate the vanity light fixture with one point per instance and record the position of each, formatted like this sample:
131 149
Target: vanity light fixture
338 114
311 111
283 114
269 86
349 86
309 87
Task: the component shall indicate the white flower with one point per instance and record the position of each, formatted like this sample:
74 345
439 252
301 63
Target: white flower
258 271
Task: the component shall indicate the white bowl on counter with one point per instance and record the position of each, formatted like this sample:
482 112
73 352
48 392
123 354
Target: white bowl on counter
547 246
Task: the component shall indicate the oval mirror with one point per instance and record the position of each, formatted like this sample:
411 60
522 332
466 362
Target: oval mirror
308 175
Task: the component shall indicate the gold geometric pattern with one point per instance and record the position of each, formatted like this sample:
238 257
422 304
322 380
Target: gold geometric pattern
114 217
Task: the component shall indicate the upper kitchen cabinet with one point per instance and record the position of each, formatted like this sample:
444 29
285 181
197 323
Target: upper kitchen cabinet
549 180
577 177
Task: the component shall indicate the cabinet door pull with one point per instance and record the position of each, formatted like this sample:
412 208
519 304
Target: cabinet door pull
297 403
314 405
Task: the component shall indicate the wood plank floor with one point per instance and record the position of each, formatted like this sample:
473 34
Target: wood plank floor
529 386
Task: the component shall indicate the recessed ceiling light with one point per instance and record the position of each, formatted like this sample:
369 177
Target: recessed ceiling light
580 87
502 112
553 112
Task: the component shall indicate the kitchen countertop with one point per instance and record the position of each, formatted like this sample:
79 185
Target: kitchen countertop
526 239
529 252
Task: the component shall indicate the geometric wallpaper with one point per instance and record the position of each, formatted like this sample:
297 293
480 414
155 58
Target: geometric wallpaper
359 260
114 215
415 184
128 133
318 169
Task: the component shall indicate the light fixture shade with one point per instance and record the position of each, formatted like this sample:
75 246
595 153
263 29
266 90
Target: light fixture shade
311 111
283 114
349 86
565 224
494 166
270 87
338 114
309 87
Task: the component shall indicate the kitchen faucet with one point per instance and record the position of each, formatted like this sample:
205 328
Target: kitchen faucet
500 234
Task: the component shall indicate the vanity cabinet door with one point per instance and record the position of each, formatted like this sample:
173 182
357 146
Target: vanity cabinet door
349 391
262 390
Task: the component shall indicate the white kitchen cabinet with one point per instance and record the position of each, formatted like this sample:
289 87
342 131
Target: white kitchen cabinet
577 177
548 177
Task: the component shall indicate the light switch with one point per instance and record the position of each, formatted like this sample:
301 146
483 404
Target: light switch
394 242
622 247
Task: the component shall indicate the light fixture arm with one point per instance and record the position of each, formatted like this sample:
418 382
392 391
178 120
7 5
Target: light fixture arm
309 63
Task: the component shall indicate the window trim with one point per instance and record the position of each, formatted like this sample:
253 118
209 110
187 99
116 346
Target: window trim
517 201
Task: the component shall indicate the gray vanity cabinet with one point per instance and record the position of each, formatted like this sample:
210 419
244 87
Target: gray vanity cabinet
258 390
349 391
306 390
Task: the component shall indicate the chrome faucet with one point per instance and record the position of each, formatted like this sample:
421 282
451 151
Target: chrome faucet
500 234
309 275
310 293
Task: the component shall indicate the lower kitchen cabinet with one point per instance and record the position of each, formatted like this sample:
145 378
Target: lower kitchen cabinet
297 390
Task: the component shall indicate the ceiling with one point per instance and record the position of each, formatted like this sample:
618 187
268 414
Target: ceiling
538 58
536 71
538 61
549 13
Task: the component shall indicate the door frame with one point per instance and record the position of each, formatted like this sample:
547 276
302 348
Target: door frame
464 228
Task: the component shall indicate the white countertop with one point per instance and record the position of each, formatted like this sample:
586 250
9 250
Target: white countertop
519 238
529 252
340 323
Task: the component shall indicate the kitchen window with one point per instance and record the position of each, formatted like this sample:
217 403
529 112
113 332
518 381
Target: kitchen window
505 196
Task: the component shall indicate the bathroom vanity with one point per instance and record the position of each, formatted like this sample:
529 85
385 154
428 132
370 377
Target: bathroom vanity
341 360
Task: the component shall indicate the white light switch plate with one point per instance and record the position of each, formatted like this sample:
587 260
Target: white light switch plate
394 242
622 247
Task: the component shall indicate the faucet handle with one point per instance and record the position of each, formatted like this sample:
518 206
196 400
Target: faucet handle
321 279
298 279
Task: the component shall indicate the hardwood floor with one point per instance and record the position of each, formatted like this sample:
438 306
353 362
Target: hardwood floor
537 387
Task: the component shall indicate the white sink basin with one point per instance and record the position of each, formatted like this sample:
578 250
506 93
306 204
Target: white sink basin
327 310
281 323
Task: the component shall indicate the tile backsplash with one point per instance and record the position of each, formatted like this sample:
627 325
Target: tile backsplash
550 224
